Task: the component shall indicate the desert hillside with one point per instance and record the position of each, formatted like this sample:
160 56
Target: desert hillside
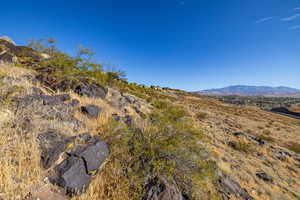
70 130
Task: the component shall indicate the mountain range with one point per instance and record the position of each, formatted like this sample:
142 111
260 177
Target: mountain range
246 90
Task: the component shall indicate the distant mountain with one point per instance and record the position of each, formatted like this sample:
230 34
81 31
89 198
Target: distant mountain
245 90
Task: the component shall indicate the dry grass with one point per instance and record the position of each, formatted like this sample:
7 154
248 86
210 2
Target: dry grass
20 163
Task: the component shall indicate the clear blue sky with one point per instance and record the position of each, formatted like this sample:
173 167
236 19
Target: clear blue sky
186 44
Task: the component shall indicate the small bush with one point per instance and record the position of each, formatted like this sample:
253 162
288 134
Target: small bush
267 132
240 146
295 147
266 138
201 115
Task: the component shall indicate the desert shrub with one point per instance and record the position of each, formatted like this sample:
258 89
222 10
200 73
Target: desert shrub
167 145
266 138
240 146
201 115
74 67
267 132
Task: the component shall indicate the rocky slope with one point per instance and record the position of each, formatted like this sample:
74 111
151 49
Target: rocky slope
74 138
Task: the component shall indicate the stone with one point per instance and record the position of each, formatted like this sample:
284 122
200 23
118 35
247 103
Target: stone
93 155
233 187
83 161
91 90
52 144
56 99
91 111
116 117
7 57
128 120
74 102
264 176
71 175
130 99
160 189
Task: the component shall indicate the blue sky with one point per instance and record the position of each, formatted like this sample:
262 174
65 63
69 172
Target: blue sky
185 44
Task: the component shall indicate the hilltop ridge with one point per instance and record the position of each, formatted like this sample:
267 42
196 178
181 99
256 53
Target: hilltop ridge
247 90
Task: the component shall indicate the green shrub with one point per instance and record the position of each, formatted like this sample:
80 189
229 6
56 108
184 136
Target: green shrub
201 115
74 67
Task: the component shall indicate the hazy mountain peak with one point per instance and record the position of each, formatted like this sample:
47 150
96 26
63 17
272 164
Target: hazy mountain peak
249 90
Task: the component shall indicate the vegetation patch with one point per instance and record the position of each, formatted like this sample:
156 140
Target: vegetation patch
201 115
294 146
240 146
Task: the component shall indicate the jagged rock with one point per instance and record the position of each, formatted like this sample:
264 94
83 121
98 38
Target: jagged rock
74 102
53 144
56 99
91 111
256 139
130 99
93 155
264 176
91 90
71 175
11 51
128 120
233 187
7 57
160 189
116 117
84 160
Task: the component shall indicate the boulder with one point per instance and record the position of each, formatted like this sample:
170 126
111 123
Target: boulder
93 154
56 99
52 144
91 111
7 57
160 189
233 187
128 120
71 175
264 176
116 117
83 161
91 90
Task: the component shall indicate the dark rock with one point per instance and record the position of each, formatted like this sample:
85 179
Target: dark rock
84 160
264 176
74 102
52 145
71 175
233 187
130 99
284 153
56 99
93 155
91 111
160 189
128 120
116 117
7 57
49 156
91 90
